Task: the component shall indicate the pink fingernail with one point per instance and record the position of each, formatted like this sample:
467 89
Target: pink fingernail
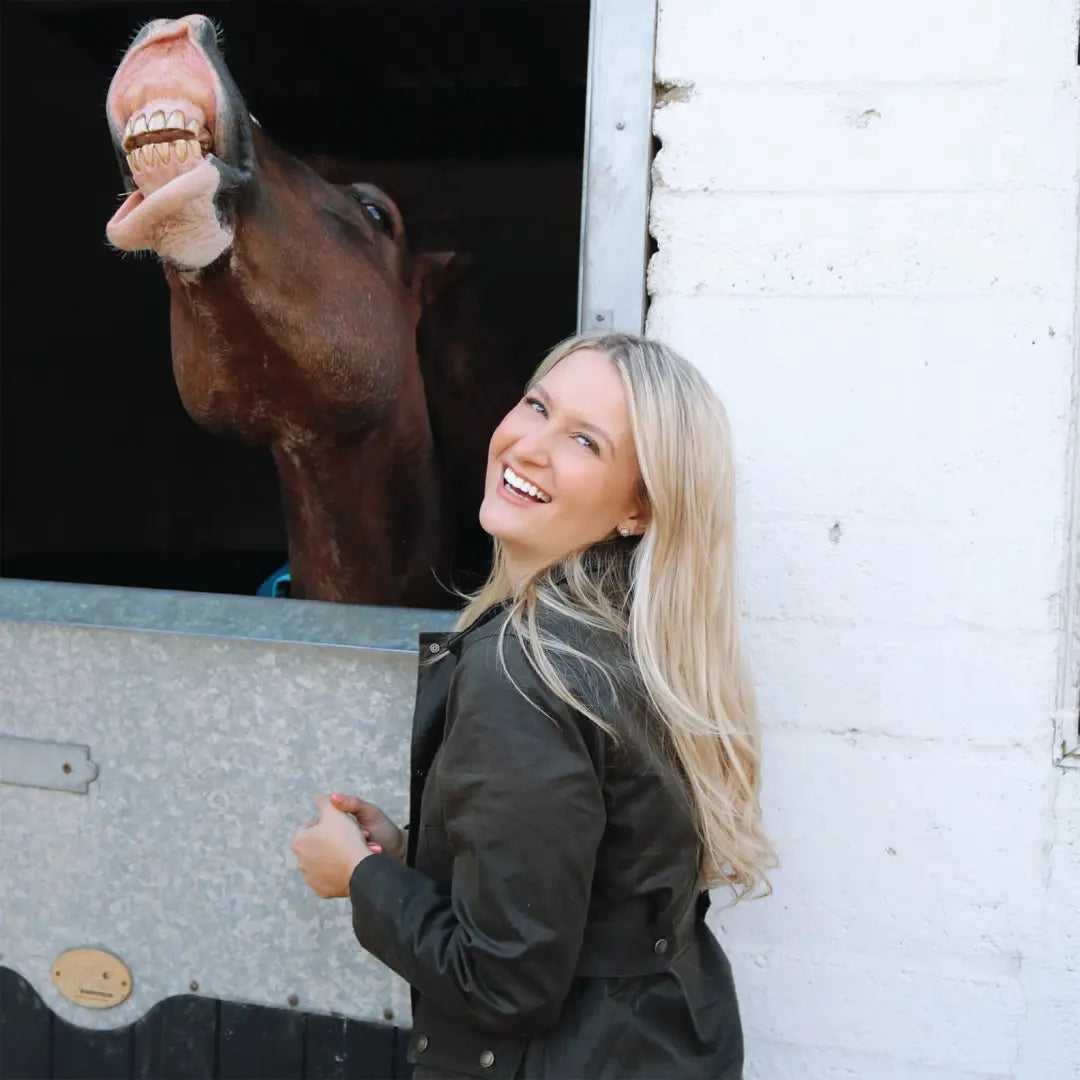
377 848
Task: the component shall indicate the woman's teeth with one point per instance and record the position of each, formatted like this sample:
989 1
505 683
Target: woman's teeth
523 487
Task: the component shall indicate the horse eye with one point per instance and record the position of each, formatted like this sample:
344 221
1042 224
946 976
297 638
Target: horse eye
375 212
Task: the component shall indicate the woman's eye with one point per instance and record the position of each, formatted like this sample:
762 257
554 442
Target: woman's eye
589 444
536 405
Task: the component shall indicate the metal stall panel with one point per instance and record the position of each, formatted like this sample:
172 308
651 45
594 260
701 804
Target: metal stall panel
210 723
618 156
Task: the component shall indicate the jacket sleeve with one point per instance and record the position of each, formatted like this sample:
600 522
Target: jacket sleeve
524 813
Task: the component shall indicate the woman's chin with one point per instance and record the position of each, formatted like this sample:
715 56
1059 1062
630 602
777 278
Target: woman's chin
501 523
492 519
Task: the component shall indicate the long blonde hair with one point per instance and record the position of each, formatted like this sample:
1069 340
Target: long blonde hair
671 596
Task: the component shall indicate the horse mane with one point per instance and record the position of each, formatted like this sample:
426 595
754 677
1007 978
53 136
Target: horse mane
472 377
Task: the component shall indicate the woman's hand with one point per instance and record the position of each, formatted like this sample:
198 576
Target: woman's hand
382 833
328 849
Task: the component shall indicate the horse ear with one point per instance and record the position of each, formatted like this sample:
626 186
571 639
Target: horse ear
433 271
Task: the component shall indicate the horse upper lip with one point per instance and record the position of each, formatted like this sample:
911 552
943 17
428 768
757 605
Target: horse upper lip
166 89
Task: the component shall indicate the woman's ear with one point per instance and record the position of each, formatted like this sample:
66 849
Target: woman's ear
639 518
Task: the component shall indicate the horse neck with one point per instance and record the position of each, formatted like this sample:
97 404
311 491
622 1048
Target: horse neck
364 510
364 515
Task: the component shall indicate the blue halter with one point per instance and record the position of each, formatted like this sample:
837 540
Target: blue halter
277 584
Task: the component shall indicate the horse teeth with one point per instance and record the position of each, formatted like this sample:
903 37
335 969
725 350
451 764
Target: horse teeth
140 126
127 131
133 163
180 146
157 121
196 149
176 119
163 152
149 157
193 127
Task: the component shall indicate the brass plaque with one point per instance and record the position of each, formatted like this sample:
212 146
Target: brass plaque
92 977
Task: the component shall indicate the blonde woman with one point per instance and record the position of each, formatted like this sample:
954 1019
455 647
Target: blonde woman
585 754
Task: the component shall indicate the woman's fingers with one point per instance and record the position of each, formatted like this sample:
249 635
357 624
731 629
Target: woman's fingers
349 804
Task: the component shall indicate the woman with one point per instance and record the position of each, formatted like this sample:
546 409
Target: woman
585 753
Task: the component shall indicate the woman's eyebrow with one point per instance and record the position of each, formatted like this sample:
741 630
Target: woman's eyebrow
576 418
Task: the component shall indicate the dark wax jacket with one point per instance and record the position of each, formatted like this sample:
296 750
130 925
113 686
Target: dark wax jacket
549 915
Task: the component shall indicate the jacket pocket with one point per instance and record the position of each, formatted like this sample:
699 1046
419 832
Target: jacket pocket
439 1042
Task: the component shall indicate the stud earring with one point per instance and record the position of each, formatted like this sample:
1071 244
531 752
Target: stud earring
624 530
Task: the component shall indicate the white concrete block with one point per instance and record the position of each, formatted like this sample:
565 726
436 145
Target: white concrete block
933 855
988 243
937 411
869 137
900 574
1049 1042
709 40
778 1060
883 1006
1058 944
954 686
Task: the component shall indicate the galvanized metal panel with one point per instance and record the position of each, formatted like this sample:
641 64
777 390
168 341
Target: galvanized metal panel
210 748
618 156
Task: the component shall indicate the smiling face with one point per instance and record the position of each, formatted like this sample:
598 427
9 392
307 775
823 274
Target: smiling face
562 468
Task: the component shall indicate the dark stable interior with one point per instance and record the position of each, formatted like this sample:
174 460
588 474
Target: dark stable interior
470 113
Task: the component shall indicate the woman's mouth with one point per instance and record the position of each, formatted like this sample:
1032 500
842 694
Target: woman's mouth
521 488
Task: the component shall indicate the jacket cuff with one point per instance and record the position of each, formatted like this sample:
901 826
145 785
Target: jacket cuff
378 887
366 877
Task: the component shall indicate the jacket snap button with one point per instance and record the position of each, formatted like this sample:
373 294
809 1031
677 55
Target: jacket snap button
433 647
660 947
487 1059
421 1043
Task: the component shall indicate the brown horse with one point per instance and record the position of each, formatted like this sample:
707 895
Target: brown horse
301 321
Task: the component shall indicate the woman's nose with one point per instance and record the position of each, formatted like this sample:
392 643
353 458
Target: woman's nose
532 449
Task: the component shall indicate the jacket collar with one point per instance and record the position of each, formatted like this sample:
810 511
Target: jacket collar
435 645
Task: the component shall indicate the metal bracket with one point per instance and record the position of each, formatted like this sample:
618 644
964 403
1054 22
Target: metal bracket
42 763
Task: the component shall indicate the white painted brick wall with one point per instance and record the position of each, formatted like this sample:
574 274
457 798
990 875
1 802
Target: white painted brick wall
867 227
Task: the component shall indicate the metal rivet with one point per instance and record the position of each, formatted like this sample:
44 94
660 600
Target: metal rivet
193 986
421 1043
433 647
619 126
293 1000
388 1014
660 947
487 1059
599 316
67 767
